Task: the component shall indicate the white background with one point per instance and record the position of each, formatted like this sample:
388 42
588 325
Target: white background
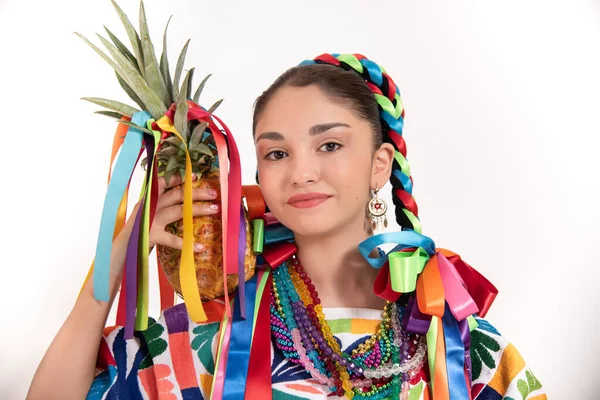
501 98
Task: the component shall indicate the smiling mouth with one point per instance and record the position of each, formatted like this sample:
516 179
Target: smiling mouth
308 200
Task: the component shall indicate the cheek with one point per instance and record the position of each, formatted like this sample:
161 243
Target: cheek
350 173
351 179
270 184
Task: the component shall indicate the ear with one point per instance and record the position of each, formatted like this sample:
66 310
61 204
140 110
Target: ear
381 168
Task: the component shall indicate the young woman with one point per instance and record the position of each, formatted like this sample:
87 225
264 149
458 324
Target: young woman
328 134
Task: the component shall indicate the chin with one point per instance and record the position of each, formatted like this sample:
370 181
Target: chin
311 224
310 229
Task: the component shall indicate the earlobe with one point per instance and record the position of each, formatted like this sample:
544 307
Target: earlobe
383 160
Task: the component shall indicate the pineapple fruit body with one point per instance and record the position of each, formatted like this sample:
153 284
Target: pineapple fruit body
209 261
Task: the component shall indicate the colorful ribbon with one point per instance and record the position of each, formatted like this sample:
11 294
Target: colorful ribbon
239 344
133 303
448 292
267 231
116 191
243 366
118 140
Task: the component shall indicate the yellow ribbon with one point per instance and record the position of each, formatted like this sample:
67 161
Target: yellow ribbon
187 268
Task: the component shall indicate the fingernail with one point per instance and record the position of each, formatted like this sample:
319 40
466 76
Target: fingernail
198 246
214 207
194 176
212 192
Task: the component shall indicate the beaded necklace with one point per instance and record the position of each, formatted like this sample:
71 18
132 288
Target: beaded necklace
379 368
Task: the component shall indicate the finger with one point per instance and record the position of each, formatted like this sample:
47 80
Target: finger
175 242
174 196
175 180
175 213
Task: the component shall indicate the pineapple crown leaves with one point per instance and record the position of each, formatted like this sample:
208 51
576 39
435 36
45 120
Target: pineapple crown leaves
147 81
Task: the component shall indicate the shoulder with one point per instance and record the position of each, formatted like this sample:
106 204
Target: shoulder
498 369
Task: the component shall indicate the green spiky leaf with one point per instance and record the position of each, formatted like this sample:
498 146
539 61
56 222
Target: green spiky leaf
202 149
196 97
215 106
134 38
112 105
164 64
141 128
111 114
151 100
130 92
181 121
102 54
171 168
179 70
137 83
172 164
198 159
152 70
122 48
181 152
173 141
168 151
197 134
188 90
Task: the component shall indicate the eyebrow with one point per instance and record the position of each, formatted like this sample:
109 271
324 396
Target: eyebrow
313 131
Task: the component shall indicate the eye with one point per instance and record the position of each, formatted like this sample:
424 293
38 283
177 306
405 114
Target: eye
275 155
330 147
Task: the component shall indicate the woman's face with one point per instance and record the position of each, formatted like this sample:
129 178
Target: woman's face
316 162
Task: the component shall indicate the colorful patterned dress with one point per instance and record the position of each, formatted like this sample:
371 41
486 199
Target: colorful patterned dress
174 359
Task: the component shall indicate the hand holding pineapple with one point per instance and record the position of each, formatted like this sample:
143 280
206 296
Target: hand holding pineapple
170 209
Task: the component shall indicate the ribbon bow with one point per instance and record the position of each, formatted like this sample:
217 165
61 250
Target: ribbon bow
448 293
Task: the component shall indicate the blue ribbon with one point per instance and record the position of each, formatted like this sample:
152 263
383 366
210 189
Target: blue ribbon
374 71
403 239
239 346
405 180
394 124
277 233
455 357
116 189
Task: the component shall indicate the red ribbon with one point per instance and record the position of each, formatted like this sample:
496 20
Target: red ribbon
258 382
276 254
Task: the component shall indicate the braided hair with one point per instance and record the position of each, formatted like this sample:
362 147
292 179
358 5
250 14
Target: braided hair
365 87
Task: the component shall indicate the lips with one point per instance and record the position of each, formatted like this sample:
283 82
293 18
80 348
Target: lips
307 200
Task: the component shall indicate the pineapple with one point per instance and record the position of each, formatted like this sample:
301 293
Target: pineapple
149 84
207 230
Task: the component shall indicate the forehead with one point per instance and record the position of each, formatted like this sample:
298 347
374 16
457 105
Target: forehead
296 109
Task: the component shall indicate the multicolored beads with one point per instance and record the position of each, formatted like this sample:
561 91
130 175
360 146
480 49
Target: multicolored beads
376 369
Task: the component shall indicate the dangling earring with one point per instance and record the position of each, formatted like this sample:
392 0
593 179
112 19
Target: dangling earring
376 209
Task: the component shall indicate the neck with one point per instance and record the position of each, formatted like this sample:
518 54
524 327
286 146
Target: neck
341 275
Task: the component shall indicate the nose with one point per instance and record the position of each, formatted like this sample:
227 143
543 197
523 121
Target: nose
305 170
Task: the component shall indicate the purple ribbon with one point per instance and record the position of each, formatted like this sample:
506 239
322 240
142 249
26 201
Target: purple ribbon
241 264
414 320
131 259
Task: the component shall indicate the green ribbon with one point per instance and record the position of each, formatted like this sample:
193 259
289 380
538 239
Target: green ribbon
258 240
473 324
431 337
405 267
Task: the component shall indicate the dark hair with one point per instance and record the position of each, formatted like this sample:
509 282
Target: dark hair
344 87
347 87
